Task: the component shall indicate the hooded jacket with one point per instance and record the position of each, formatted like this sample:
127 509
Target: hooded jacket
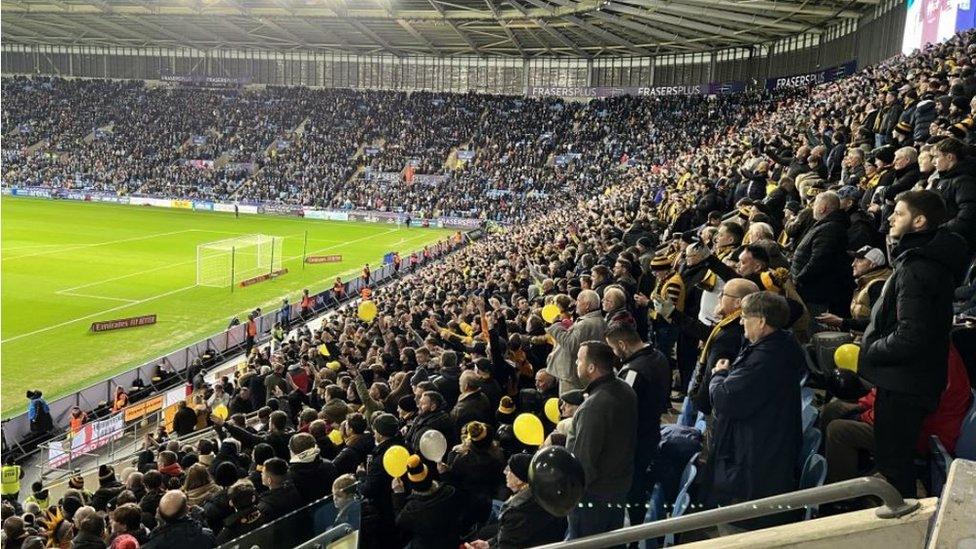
906 345
821 266
958 188
313 478
648 373
430 519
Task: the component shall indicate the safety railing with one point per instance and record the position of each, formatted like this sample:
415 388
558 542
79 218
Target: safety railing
893 506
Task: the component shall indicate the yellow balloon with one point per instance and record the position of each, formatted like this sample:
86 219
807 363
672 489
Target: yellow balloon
552 409
528 429
395 461
323 350
334 365
846 356
336 437
367 311
550 313
221 411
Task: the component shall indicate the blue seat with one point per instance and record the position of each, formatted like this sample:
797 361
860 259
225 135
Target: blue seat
680 506
966 443
810 415
806 376
938 465
811 444
700 423
687 415
806 396
813 475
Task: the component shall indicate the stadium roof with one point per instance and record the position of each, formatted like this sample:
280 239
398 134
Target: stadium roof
518 28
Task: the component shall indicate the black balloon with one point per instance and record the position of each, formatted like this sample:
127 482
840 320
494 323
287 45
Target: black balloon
557 480
846 385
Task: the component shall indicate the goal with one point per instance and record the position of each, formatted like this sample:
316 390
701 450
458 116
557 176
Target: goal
223 263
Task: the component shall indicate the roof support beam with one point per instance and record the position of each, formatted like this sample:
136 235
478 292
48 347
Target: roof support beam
363 29
504 26
593 29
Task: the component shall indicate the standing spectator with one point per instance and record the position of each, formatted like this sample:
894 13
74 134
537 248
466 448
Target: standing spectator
905 347
472 404
185 420
648 373
284 314
109 488
588 327
821 267
429 515
310 474
306 305
250 333
282 496
756 402
90 531
121 400
247 514
957 185
76 420
38 413
176 528
603 438
127 529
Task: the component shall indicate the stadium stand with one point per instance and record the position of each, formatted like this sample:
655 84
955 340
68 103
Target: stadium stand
698 250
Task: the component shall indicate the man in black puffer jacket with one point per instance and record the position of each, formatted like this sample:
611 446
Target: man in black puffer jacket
957 185
904 351
311 475
109 488
432 416
176 528
821 266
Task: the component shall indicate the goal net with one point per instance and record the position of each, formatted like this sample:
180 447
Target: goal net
223 263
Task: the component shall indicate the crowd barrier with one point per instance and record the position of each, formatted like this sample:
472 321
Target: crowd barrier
17 428
250 208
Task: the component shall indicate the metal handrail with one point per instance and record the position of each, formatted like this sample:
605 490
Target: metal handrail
894 506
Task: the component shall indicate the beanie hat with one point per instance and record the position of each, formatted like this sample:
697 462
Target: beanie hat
106 474
518 464
660 262
225 474
76 482
188 460
70 504
419 376
506 406
263 452
417 473
407 403
386 425
903 128
885 154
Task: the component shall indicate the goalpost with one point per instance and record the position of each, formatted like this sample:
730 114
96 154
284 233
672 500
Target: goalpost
224 263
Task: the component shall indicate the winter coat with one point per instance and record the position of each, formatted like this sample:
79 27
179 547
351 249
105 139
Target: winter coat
280 501
604 437
524 523
106 493
472 407
431 520
375 485
921 119
958 188
757 430
862 230
437 420
313 479
240 523
906 344
185 421
228 453
821 266
84 540
561 363
648 373
353 453
184 533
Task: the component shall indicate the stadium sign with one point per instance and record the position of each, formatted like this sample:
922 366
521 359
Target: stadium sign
312 259
812 78
93 435
143 407
132 322
593 92
261 278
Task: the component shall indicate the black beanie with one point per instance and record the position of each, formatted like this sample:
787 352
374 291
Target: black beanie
225 474
106 474
519 465
407 403
417 474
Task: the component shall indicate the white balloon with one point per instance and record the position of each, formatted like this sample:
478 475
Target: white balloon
433 445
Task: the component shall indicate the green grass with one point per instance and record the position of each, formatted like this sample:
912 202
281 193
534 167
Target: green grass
66 264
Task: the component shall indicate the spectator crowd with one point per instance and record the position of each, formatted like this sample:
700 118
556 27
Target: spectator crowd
661 286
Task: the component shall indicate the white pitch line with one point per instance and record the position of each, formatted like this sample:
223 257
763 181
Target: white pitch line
83 246
75 294
151 298
99 313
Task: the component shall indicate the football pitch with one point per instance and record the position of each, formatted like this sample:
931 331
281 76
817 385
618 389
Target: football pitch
67 264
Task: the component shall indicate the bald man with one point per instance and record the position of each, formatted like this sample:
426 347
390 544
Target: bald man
176 528
721 340
589 326
821 266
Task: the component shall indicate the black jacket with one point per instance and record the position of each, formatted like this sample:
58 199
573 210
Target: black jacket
313 480
757 422
184 533
725 344
438 420
524 523
278 440
604 437
353 453
185 421
862 231
958 188
648 373
431 520
905 347
106 493
280 501
375 485
240 523
821 267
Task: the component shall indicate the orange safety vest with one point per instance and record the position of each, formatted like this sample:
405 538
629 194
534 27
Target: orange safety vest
252 328
366 293
121 401
76 423
306 302
338 288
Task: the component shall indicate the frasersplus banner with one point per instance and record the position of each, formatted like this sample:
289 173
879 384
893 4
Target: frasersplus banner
93 435
589 92
812 78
